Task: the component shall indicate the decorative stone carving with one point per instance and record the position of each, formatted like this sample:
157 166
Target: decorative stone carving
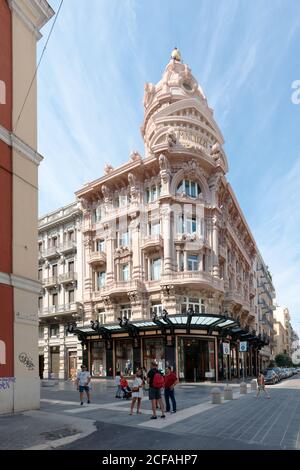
134 296
108 168
149 94
171 137
135 156
106 193
106 300
168 290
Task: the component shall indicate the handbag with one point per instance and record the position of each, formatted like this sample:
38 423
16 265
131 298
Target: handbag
135 389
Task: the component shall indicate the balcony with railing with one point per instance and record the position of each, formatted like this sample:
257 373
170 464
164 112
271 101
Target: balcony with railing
58 309
200 278
113 287
67 277
68 246
50 252
50 281
97 257
152 241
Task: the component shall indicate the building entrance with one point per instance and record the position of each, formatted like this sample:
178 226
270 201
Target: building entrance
197 360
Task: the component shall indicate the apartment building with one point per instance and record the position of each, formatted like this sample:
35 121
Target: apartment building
60 273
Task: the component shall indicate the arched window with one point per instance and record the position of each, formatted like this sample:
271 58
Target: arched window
190 188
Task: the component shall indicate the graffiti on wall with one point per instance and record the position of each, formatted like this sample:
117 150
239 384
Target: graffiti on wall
25 359
5 382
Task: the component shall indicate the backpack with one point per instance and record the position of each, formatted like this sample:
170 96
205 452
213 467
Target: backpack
158 380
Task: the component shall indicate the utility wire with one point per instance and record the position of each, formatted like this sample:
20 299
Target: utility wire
49 35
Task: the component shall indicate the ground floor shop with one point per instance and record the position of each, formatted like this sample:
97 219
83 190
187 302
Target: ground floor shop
193 346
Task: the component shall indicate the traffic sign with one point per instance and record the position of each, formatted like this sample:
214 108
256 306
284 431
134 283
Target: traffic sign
226 349
243 346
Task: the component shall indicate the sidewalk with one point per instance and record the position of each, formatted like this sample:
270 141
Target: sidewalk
61 422
38 430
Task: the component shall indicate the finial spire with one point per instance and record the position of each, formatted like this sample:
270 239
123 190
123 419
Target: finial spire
176 54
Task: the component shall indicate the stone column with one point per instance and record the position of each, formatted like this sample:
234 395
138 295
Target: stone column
110 242
185 260
178 258
136 251
215 239
168 239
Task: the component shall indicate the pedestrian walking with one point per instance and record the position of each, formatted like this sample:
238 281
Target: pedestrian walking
170 382
261 385
83 383
137 393
117 382
156 383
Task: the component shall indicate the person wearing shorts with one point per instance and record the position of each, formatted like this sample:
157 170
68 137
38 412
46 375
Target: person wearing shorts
83 383
154 393
261 386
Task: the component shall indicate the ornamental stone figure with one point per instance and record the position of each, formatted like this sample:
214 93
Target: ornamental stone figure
108 168
134 156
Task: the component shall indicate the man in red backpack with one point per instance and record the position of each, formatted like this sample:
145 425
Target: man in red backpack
156 383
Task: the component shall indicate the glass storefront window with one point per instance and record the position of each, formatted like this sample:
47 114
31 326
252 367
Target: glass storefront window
124 356
98 359
154 350
196 359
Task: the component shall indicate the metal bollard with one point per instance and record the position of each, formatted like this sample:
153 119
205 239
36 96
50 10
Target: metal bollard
243 388
216 396
253 385
228 392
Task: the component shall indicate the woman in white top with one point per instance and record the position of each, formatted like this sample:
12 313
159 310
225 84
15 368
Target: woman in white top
137 393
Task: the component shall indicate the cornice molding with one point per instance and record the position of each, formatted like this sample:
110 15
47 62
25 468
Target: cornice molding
41 14
17 144
20 283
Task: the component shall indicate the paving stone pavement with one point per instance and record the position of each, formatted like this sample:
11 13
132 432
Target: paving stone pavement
243 423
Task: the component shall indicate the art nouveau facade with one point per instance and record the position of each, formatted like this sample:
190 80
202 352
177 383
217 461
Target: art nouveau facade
20 24
169 262
59 243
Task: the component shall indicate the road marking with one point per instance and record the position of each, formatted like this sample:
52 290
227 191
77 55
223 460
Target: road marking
58 402
108 407
178 416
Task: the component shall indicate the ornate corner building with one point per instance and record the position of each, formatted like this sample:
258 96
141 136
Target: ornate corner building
168 263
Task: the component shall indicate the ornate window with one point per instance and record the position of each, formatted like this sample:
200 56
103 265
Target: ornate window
125 272
153 193
156 309
197 305
187 224
154 228
193 262
101 279
155 269
189 187
126 311
101 245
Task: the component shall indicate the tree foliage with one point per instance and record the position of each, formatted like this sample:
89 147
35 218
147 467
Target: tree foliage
283 360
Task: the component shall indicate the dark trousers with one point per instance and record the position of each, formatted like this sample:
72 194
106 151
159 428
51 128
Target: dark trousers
170 394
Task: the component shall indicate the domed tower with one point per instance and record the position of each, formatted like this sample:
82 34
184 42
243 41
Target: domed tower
178 120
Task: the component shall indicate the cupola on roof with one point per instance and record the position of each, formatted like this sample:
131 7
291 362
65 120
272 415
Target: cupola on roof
176 108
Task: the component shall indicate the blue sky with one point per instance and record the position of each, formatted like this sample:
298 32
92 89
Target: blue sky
244 54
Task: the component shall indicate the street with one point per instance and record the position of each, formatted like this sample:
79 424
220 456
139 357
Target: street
241 424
